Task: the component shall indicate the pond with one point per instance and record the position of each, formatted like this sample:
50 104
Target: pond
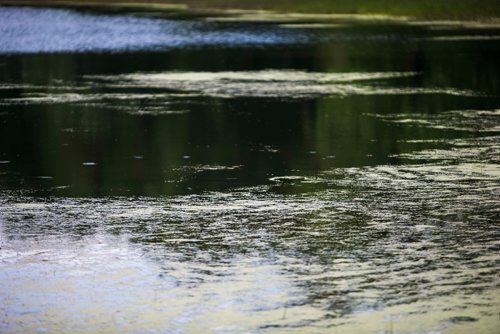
208 175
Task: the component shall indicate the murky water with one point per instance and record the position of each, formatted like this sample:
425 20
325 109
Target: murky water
200 176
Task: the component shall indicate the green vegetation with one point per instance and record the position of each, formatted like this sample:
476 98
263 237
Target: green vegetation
423 9
481 10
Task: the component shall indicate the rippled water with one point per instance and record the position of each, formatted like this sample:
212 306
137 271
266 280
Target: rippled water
298 179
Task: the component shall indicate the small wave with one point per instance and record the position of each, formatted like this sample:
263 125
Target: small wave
179 86
464 38
460 120
275 83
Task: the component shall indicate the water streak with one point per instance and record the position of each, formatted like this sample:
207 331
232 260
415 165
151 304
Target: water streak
177 85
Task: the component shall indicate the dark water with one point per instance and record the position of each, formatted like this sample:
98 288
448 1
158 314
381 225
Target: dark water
193 175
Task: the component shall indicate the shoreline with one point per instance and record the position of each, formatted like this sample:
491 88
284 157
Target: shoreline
221 13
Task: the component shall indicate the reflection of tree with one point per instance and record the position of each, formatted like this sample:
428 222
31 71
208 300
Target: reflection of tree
141 155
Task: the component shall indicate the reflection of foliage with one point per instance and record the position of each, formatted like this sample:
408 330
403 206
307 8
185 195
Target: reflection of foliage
423 9
267 137
416 8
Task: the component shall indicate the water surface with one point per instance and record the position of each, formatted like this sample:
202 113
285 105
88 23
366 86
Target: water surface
189 175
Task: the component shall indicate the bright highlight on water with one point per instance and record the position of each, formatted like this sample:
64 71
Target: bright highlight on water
195 175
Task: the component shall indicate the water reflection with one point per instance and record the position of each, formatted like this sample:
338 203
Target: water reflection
380 238
316 186
26 30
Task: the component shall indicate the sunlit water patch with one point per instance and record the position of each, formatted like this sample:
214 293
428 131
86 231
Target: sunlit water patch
460 120
471 150
476 154
37 30
408 248
465 38
171 87
382 248
29 30
276 83
342 189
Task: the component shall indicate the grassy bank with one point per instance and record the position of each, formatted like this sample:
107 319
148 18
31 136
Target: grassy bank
471 10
